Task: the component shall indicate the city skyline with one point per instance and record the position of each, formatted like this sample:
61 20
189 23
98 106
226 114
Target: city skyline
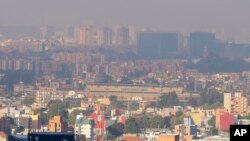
173 16
138 70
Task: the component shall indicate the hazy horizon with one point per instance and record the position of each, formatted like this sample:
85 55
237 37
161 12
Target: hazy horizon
226 17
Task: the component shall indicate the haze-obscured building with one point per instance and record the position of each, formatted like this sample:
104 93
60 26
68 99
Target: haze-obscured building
105 37
201 43
152 45
122 36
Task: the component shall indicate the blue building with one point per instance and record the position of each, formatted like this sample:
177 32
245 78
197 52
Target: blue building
157 45
201 44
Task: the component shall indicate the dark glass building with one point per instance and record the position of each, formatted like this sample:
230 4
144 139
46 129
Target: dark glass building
201 44
157 45
51 137
17 138
43 136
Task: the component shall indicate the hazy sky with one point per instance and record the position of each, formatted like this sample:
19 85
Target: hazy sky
225 16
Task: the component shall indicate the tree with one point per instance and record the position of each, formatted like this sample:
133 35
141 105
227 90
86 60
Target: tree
115 130
178 113
151 81
133 105
248 116
177 119
211 122
126 80
157 122
213 106
137 73
210 97
89 111
213 63
72 116
109 136
51 102
28 101
113 98
144 121
120 104
131 126
167 100
12 77
57 108
39 111
103 78
213 130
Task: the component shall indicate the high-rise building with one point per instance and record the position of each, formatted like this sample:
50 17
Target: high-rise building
152 45
122 36
68 32
81 36
87 35
240 105
132 35
236 103
47 31
227 101
105 36
201 43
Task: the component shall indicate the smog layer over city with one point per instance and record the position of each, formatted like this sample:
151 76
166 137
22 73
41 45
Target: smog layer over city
124 70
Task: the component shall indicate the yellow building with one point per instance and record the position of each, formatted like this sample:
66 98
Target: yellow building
133 88
3 136
227 101
173 137
105 101
124 92
198 117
